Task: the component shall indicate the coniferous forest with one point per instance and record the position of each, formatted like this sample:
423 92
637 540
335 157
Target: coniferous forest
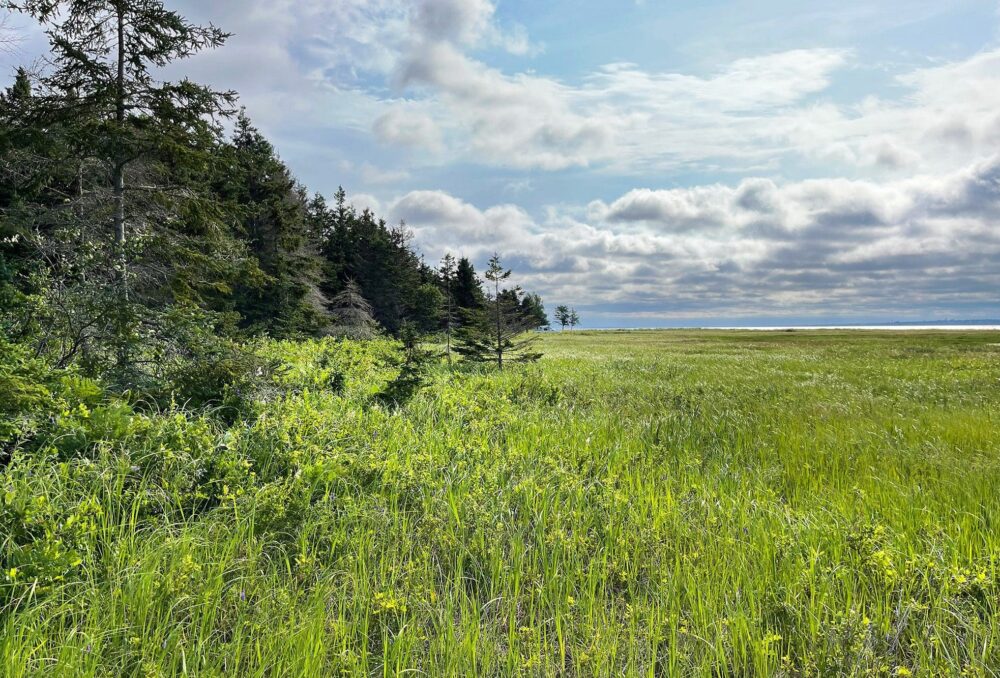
148 227
247 430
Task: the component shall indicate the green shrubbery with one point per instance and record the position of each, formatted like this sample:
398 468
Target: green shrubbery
81 465
26 393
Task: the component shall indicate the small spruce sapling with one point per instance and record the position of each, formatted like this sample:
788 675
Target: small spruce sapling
497 332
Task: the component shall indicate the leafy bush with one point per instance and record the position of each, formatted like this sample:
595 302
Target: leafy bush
29 394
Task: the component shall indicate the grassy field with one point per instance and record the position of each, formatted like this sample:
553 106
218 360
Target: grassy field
642 503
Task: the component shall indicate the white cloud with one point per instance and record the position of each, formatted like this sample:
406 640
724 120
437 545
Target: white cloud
407 128
364 201
416 74
462 21
850 247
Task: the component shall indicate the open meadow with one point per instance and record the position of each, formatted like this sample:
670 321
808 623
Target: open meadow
638 503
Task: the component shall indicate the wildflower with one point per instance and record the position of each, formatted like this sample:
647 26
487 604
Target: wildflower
903 671
12 573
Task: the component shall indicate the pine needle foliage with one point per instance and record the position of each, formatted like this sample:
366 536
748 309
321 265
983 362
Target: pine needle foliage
353 314
498 332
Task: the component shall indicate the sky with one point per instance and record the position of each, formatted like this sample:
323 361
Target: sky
651 163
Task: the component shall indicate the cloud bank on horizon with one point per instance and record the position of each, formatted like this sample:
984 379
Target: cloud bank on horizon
653 163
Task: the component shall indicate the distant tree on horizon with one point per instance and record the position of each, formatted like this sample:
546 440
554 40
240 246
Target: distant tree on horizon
562 316
534 309
574 318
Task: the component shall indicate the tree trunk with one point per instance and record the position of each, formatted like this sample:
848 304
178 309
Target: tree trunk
78 214
118 177
449 320
119 198
499 336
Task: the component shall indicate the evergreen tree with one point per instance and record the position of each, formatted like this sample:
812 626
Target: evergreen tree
118 164
104 52
563 315
533 310
424 308
335 226
411 372
381 260
20 91
574 318
468 290
496 332
353 313
277 227
449 316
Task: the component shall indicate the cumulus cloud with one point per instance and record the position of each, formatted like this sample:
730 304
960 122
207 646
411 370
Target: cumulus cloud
617 116
463 21
849 247
416 74
364 201
407 128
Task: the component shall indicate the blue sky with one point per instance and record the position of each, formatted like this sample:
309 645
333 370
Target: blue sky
651 163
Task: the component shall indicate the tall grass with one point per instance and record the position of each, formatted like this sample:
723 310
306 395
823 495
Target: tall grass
645 503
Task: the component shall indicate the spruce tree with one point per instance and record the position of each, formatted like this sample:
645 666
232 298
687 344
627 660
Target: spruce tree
533 310
497 332
352 313
562 316
104 53
260 191
446 271
119 163
468 290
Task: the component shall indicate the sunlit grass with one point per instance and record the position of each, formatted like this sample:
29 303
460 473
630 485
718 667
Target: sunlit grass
647 503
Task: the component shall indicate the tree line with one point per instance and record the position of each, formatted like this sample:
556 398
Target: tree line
140 242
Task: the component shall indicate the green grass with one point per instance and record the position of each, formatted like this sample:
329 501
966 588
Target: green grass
641 503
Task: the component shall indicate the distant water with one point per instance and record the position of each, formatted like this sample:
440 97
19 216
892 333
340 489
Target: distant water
899 327
960 326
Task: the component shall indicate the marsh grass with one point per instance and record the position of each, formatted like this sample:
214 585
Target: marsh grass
642 503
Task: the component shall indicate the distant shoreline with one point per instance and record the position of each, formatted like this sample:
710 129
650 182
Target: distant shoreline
898 327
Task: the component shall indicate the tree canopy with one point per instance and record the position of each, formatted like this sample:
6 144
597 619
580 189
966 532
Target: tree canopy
137 235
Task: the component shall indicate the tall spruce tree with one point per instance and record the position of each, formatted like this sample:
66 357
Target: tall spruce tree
104 52
119 161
